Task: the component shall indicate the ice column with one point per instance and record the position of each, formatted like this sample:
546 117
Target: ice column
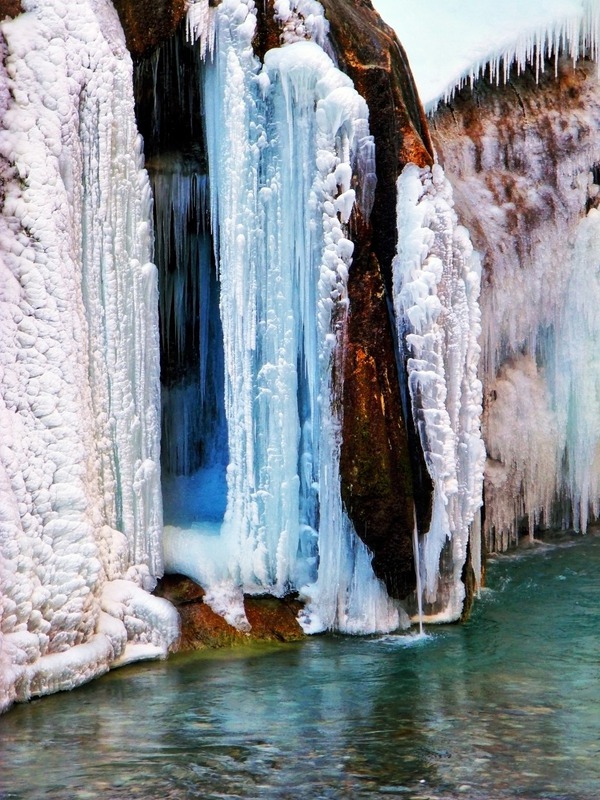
436 290
120 297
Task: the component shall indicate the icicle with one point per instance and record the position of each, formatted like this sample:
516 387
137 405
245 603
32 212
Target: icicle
498 40
525 189
79 390
576 386
201 26
436 289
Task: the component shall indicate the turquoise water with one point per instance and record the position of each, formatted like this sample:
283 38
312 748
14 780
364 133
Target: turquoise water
507 706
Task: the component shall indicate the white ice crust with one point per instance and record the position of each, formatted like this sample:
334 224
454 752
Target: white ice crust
453 42
524 187
80 504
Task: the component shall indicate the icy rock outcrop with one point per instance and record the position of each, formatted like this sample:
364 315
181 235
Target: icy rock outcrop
521 160
80 510
381 469
147 23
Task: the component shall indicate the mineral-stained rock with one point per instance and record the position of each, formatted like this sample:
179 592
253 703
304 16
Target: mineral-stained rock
377 483
147 23
272 619
9 8
179 589
382 467
369 52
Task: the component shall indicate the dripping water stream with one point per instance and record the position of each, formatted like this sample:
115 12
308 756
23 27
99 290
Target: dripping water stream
194 447
417 554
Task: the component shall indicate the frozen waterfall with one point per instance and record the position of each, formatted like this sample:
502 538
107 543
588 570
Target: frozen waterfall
436 293
187 417
283 140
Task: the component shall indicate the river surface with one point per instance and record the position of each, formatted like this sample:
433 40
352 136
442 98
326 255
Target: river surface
506 706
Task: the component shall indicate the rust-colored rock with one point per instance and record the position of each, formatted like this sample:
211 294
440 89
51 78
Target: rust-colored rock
148 23
268 30
179 589
9 8
369 52
272 619
382 467
375 465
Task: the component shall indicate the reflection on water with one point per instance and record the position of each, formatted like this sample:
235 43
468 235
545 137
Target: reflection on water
507 706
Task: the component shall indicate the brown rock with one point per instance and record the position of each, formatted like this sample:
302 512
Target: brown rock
9 8
377 480
382 468
201 628
272 619
148 23
179 589
369 52
268 31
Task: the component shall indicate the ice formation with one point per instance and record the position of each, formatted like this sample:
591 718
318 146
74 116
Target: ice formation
282 143
436 291
80 510
254 235
524 177
523 187
471 38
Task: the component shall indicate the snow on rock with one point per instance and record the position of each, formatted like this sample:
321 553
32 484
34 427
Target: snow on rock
436 291
302 19
79 411
453 42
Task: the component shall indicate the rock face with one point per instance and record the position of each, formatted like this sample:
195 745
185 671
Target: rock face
9 8
523 159
147 23
382 468
271 619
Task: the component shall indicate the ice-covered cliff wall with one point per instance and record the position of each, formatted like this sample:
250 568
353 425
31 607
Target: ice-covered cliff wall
283 140
522 161
319 317
520 147
80 511
258 348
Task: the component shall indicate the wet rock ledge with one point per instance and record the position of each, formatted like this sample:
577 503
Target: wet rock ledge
272 619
